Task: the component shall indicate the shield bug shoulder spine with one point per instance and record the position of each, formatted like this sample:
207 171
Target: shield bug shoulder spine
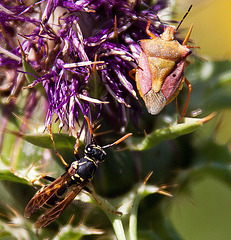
160 73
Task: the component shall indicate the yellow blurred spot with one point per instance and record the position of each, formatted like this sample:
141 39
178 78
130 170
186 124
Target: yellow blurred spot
212 26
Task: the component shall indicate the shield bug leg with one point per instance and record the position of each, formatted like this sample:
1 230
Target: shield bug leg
187 101
187 63
187 38
148 31
186 81
55 150
131 73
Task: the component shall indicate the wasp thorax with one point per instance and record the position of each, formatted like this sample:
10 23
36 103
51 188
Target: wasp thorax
95 152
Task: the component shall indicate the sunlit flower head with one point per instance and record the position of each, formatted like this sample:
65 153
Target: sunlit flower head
82 51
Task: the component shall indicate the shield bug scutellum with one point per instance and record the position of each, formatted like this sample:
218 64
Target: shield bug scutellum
160 73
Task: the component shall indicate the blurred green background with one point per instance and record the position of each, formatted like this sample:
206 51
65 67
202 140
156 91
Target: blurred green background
206 214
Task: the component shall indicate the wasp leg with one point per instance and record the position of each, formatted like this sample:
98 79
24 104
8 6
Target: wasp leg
105 205
76 148
90 129
56 151
32 181
48 178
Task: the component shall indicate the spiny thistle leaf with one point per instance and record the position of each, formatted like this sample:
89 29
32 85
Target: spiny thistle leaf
68 232
171 132
62 140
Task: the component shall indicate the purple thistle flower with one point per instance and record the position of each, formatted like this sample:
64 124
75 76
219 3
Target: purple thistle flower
82 50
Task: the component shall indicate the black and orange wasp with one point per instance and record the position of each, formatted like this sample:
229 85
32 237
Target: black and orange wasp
56 196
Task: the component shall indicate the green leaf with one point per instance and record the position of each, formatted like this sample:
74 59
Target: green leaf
9 176
171 132
62 140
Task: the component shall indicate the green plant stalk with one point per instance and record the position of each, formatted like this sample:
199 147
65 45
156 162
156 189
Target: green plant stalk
133 220
113 217
118 227
140 193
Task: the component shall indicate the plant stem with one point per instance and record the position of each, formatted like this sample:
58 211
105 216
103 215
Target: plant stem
133 220
118 228
114 218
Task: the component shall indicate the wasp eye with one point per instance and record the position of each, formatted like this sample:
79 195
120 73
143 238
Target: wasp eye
89 149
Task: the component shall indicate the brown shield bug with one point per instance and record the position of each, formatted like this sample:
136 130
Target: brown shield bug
160 74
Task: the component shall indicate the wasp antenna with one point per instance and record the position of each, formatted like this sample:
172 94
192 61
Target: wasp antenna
184 17
118 141
90 129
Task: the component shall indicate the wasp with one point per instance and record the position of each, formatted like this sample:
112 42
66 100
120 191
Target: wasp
56 196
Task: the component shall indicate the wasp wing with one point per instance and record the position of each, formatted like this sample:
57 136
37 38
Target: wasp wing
41 197
53 213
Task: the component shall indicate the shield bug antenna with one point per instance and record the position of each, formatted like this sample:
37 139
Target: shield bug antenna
56 196
184 17
160 73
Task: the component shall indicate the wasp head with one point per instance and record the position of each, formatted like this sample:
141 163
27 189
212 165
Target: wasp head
95 152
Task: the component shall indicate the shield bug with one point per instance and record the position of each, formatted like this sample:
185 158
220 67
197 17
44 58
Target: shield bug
160 74
55 197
